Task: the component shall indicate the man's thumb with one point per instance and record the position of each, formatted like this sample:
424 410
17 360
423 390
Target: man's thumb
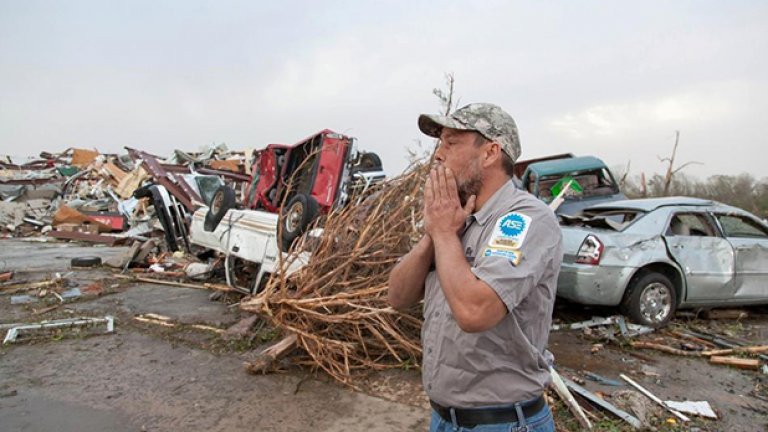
469 207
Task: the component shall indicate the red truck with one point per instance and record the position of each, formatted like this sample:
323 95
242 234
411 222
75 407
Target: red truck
302 181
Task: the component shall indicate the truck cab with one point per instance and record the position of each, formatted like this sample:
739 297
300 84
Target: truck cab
582 181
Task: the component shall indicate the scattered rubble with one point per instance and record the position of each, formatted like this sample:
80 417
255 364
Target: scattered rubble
84 195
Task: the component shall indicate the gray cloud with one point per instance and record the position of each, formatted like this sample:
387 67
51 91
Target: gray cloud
611 79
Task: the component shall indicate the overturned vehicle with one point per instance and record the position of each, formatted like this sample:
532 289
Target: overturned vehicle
291 186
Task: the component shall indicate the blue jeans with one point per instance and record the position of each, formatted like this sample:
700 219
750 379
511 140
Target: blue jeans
542 421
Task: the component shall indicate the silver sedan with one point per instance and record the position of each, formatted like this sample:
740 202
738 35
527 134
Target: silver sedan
653 256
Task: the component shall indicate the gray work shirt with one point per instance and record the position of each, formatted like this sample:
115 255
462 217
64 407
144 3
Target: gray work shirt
514 245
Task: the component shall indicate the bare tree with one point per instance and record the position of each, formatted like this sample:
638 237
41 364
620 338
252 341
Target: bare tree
623 181
671 170
447 103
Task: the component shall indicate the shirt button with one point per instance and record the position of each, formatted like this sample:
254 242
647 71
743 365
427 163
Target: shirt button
429 350
429 386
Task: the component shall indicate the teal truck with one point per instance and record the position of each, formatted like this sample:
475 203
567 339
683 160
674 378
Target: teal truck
578 182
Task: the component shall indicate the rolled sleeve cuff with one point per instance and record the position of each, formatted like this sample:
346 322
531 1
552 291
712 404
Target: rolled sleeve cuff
501 287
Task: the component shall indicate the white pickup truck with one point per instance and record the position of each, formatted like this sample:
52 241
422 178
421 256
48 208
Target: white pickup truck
248 240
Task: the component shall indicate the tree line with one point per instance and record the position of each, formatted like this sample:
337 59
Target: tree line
743 190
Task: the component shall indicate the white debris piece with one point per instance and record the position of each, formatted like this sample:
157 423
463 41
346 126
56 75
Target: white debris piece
699 408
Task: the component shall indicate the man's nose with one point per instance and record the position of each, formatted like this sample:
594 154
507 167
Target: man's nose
439 156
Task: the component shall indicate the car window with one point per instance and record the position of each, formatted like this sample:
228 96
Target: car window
690 224
208 185
739 226
597 182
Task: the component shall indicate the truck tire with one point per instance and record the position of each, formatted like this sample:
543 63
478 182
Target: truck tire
300 211
369 162
223 200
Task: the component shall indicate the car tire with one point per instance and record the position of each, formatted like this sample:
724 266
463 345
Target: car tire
223 200
300 211
651 300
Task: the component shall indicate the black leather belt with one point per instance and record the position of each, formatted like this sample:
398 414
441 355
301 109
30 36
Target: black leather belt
471 417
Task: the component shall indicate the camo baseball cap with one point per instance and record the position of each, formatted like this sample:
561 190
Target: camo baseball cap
489 120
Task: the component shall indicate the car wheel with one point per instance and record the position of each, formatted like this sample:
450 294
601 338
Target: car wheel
223 200
300 211
651 300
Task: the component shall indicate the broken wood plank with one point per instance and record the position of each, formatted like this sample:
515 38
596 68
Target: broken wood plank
228 165
79 236
208 328
83 157
156 316
115 172
722 342
154 321
741 363
66 215
207 286
664 348
12 289
269 356
739 350
46 309
652 397
562 390
131 182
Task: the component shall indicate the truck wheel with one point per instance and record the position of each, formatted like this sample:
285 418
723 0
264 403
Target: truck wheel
223 200
300 211
651 300
369 162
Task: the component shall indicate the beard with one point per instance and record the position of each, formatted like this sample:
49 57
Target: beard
470 181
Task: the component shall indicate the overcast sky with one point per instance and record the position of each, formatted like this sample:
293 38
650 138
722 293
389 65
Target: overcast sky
611 79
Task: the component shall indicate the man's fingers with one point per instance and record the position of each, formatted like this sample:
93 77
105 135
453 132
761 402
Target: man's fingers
429 190
444 192
434 175
469 207
451 189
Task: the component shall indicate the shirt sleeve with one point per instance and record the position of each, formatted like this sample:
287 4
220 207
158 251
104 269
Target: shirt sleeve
512 262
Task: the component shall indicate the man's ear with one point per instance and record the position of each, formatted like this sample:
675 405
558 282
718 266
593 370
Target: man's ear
492 154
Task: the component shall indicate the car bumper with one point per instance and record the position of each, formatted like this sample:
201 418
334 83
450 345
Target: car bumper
593 285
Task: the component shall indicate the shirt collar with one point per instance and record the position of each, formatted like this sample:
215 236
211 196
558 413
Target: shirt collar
482 215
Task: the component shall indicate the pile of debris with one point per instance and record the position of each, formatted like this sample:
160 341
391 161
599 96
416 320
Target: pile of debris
84 195
335 307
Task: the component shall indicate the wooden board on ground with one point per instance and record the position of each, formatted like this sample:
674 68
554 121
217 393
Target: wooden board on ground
741 363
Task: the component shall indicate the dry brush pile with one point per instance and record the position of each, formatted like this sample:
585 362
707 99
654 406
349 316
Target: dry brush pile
335 308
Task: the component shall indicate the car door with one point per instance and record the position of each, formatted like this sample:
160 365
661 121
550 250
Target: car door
705 257
750 243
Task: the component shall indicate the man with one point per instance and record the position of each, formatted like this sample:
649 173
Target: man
487 270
